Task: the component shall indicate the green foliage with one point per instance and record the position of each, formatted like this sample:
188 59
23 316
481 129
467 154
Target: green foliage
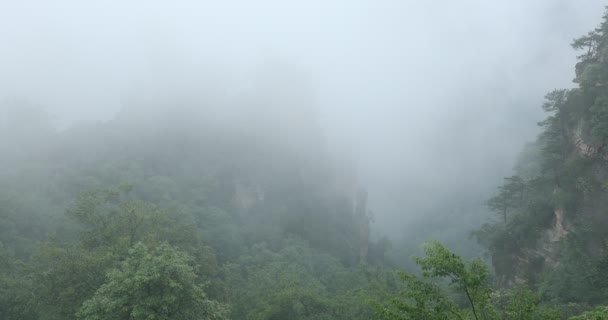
70 276
425 299
588 42
198 189
112 222
296 282
601 313
511 195
520 303
580 276
469 279
599 119
421 300
268 227
152 284
555 238
17 300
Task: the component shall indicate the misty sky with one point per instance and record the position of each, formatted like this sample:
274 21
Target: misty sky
431 96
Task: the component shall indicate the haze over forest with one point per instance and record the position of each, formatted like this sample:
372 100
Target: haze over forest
283 137
421 94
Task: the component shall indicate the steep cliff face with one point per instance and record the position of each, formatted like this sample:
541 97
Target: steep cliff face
554 233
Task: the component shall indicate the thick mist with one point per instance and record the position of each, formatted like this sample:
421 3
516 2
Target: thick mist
421 95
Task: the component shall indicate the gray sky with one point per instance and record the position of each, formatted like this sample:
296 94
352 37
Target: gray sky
431 96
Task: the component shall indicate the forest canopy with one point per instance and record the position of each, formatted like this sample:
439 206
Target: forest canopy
213 205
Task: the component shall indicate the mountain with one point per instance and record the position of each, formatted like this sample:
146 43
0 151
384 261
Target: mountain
552 218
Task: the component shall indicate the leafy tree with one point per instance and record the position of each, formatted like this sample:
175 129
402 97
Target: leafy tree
599 120
601 313
112 222
425 296
520 303
68 276
155 283
510 195
425 299
561 221
297 282
17 300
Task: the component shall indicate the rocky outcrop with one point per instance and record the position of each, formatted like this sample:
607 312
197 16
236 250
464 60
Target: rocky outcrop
581 146
559 229
586 149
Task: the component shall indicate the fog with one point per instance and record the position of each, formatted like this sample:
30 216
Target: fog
432 99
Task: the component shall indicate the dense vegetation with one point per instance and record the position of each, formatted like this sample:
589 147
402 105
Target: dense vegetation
552 224
163 213
166 212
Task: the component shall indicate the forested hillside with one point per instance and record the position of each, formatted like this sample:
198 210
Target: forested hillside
232 206
256 217
551 225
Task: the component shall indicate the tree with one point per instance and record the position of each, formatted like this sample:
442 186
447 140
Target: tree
155 283
427 299
112 222
297 282
599 120
601 313
17 300
510 195
68 276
